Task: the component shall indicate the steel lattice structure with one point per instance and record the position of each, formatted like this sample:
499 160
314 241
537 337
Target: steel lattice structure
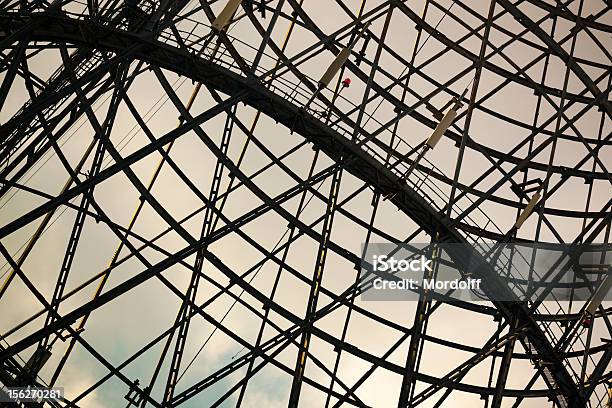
186 187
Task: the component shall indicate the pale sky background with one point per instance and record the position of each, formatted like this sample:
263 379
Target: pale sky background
121 327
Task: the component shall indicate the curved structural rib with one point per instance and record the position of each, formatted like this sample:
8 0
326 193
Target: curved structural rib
336 146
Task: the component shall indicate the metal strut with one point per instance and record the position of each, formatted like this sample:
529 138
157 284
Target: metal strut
79 223
315 289
281 266
418 329
185 310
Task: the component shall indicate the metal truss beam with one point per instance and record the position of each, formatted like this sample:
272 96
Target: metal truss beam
336 146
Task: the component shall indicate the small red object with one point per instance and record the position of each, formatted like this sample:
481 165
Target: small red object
346 82
586 322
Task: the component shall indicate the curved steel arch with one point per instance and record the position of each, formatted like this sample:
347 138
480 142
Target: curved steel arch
560 52
333 144
336 146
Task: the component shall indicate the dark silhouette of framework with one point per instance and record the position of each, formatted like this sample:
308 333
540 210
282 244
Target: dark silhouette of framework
106 46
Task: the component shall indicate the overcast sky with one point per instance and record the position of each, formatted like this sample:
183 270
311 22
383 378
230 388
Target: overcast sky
124 325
